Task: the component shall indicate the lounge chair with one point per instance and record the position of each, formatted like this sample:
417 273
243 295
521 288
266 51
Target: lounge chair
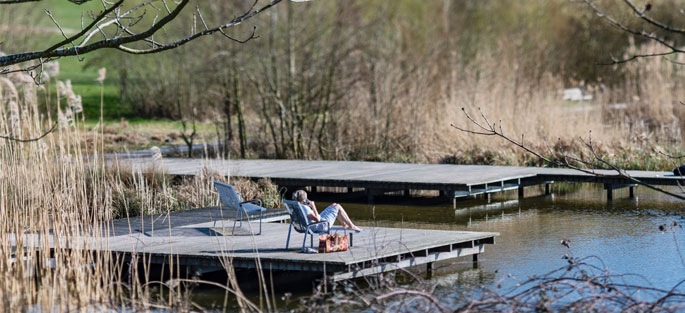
230 198
299 221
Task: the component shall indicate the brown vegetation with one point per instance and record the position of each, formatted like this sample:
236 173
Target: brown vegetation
384 80
59 189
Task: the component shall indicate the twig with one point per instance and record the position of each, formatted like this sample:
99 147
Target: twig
491 130
54 126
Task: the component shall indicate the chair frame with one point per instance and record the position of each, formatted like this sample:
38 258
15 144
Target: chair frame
240 210
301 221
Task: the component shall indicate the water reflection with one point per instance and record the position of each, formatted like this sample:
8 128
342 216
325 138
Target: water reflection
624 233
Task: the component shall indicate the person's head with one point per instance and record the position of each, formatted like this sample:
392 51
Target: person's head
300 195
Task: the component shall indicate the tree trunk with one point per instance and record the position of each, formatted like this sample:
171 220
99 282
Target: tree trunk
289 80
241 121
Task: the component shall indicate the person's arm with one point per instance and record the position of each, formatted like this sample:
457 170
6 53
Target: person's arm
313 206
314 215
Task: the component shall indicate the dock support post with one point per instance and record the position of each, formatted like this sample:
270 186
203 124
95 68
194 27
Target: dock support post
631 190
521 192
475 260
547 188
610 191
429 269
487 196
369 195
407 193
315 189
349 189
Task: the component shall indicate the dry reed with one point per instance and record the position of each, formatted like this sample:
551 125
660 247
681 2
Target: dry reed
57 196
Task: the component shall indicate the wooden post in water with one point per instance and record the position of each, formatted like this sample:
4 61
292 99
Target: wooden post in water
547 188
475 260
429 269
369 195
610 191
631 190
521 192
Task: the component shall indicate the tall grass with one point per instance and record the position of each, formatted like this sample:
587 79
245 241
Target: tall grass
47 187
629 122
57 196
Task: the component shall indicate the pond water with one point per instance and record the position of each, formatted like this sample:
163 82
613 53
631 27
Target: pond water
623 233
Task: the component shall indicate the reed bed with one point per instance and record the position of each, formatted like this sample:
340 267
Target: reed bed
630 122
57 195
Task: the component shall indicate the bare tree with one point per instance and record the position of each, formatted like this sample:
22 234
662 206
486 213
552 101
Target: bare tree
297 90
129 30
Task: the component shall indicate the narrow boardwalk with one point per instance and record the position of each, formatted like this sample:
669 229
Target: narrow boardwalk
378 177
191 240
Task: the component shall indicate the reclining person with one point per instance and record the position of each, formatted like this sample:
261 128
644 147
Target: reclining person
329 214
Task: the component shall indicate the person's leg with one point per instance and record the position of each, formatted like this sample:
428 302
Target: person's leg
344 218
332 213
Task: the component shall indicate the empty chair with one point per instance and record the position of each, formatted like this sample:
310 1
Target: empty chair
299 221
230 198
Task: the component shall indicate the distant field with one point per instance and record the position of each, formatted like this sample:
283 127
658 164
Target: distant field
83 77
123 130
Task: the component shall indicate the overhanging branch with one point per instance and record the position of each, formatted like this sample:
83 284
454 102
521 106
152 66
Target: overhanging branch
110 16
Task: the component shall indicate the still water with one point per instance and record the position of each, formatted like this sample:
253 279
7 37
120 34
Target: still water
623 233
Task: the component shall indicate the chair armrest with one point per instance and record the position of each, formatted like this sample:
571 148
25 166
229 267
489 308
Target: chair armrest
258 202
327 229
251 207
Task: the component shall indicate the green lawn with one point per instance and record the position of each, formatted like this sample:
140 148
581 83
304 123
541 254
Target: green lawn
83 77
124 130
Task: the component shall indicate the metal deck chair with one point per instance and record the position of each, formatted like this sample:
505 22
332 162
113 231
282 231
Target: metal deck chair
299 221
230 198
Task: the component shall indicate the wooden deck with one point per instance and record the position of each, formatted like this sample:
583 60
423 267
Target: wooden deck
192 240
377 177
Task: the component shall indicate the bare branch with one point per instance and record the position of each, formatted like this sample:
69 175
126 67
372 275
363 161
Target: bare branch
639 56
10 138
162 47
22 1
84 30
16 1
664 26
121 42
567 162
651 36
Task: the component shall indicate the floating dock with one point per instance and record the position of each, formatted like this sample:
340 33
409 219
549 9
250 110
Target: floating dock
377 178
195 241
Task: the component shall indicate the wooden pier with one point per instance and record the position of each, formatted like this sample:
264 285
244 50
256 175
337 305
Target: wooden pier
377 178
190 240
